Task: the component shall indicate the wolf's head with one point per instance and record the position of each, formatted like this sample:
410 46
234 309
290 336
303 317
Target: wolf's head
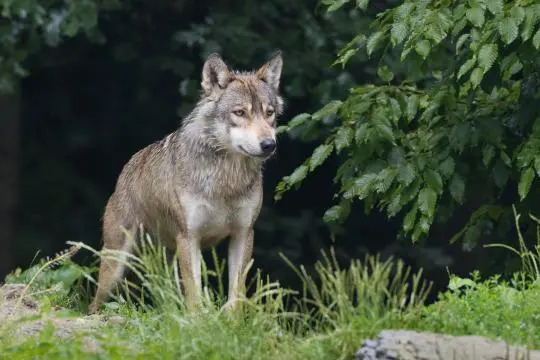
245 106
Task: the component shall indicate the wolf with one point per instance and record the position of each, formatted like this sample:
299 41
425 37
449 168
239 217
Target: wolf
202 183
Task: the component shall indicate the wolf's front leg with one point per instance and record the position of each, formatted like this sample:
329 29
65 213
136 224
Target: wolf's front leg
189 256
240 251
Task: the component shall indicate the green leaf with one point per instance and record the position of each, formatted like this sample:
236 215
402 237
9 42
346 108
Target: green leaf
476 16
282 129
424 224
417 233
471 237
423 48
364 185
344 58
320 154
374 41
460 41
495 6
385 73
298 120
412 106
518 14
506 159
508 30
457 283
362 4
71 27
447 167
531 17
343 138
360 135
329 109
394 206
487 56
457 188
537 164
386 132
336 4
427 199
525 182
395 110
410 218
536 40
410 192
398 33
384 180
514 68
403 11
466 67
87 12
362 106
434 180
459 136
406 174
382 124
476 77
298 175
335 213
435 33
487 154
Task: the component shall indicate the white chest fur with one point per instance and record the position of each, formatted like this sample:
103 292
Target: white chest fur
211 220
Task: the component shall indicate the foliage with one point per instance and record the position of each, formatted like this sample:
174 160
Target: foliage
453 118
530 257
28 25
493 308
59 276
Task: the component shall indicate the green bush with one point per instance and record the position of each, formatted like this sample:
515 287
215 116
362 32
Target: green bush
453 118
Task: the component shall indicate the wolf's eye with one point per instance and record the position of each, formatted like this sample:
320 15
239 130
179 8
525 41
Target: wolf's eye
269 112
239 112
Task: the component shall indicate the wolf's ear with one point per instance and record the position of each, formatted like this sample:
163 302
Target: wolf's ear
215 73
270 72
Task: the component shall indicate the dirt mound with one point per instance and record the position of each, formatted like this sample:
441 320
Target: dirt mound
24 317
411 345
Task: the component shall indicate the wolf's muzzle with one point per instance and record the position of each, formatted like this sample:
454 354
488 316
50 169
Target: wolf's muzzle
268 146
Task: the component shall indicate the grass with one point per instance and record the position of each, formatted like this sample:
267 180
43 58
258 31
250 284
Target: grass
329 318
493 308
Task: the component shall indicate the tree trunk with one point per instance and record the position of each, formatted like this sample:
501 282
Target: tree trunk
9 154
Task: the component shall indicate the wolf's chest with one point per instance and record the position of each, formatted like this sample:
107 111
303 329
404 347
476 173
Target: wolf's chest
211 220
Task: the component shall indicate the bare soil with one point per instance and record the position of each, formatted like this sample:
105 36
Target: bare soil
25 318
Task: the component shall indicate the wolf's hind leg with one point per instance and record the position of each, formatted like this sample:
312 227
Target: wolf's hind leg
111 270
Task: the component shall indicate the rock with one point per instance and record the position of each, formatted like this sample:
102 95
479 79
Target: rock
16 304
116 319
411 345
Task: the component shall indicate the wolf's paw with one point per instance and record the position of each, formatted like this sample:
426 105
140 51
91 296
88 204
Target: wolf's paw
232 306
93 308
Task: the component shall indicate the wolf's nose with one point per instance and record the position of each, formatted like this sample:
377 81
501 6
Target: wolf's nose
268 145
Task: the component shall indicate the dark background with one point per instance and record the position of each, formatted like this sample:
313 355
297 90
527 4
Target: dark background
89 104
